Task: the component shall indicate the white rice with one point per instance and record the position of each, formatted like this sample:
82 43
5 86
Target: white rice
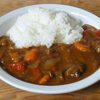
41 26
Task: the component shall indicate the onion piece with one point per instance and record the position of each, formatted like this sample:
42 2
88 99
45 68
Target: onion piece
50 63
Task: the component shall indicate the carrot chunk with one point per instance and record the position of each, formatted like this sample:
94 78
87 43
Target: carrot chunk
98 32
44 79
54 69
35 70
81 47
19 66
31 55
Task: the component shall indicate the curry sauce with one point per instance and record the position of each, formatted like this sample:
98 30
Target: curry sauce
59 64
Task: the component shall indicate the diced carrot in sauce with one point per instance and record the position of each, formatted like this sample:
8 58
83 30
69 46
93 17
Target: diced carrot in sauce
81 47
54 69
44 79
14 56
18 66
31 55
35 70
98 34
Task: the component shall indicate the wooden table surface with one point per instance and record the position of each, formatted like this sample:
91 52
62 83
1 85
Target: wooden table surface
8 92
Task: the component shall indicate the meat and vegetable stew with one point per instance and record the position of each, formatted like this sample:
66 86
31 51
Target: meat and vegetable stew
59 64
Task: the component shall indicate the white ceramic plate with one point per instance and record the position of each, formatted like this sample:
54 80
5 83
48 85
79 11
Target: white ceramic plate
8 20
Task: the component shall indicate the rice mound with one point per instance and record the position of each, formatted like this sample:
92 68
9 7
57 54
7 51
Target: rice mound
40 26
